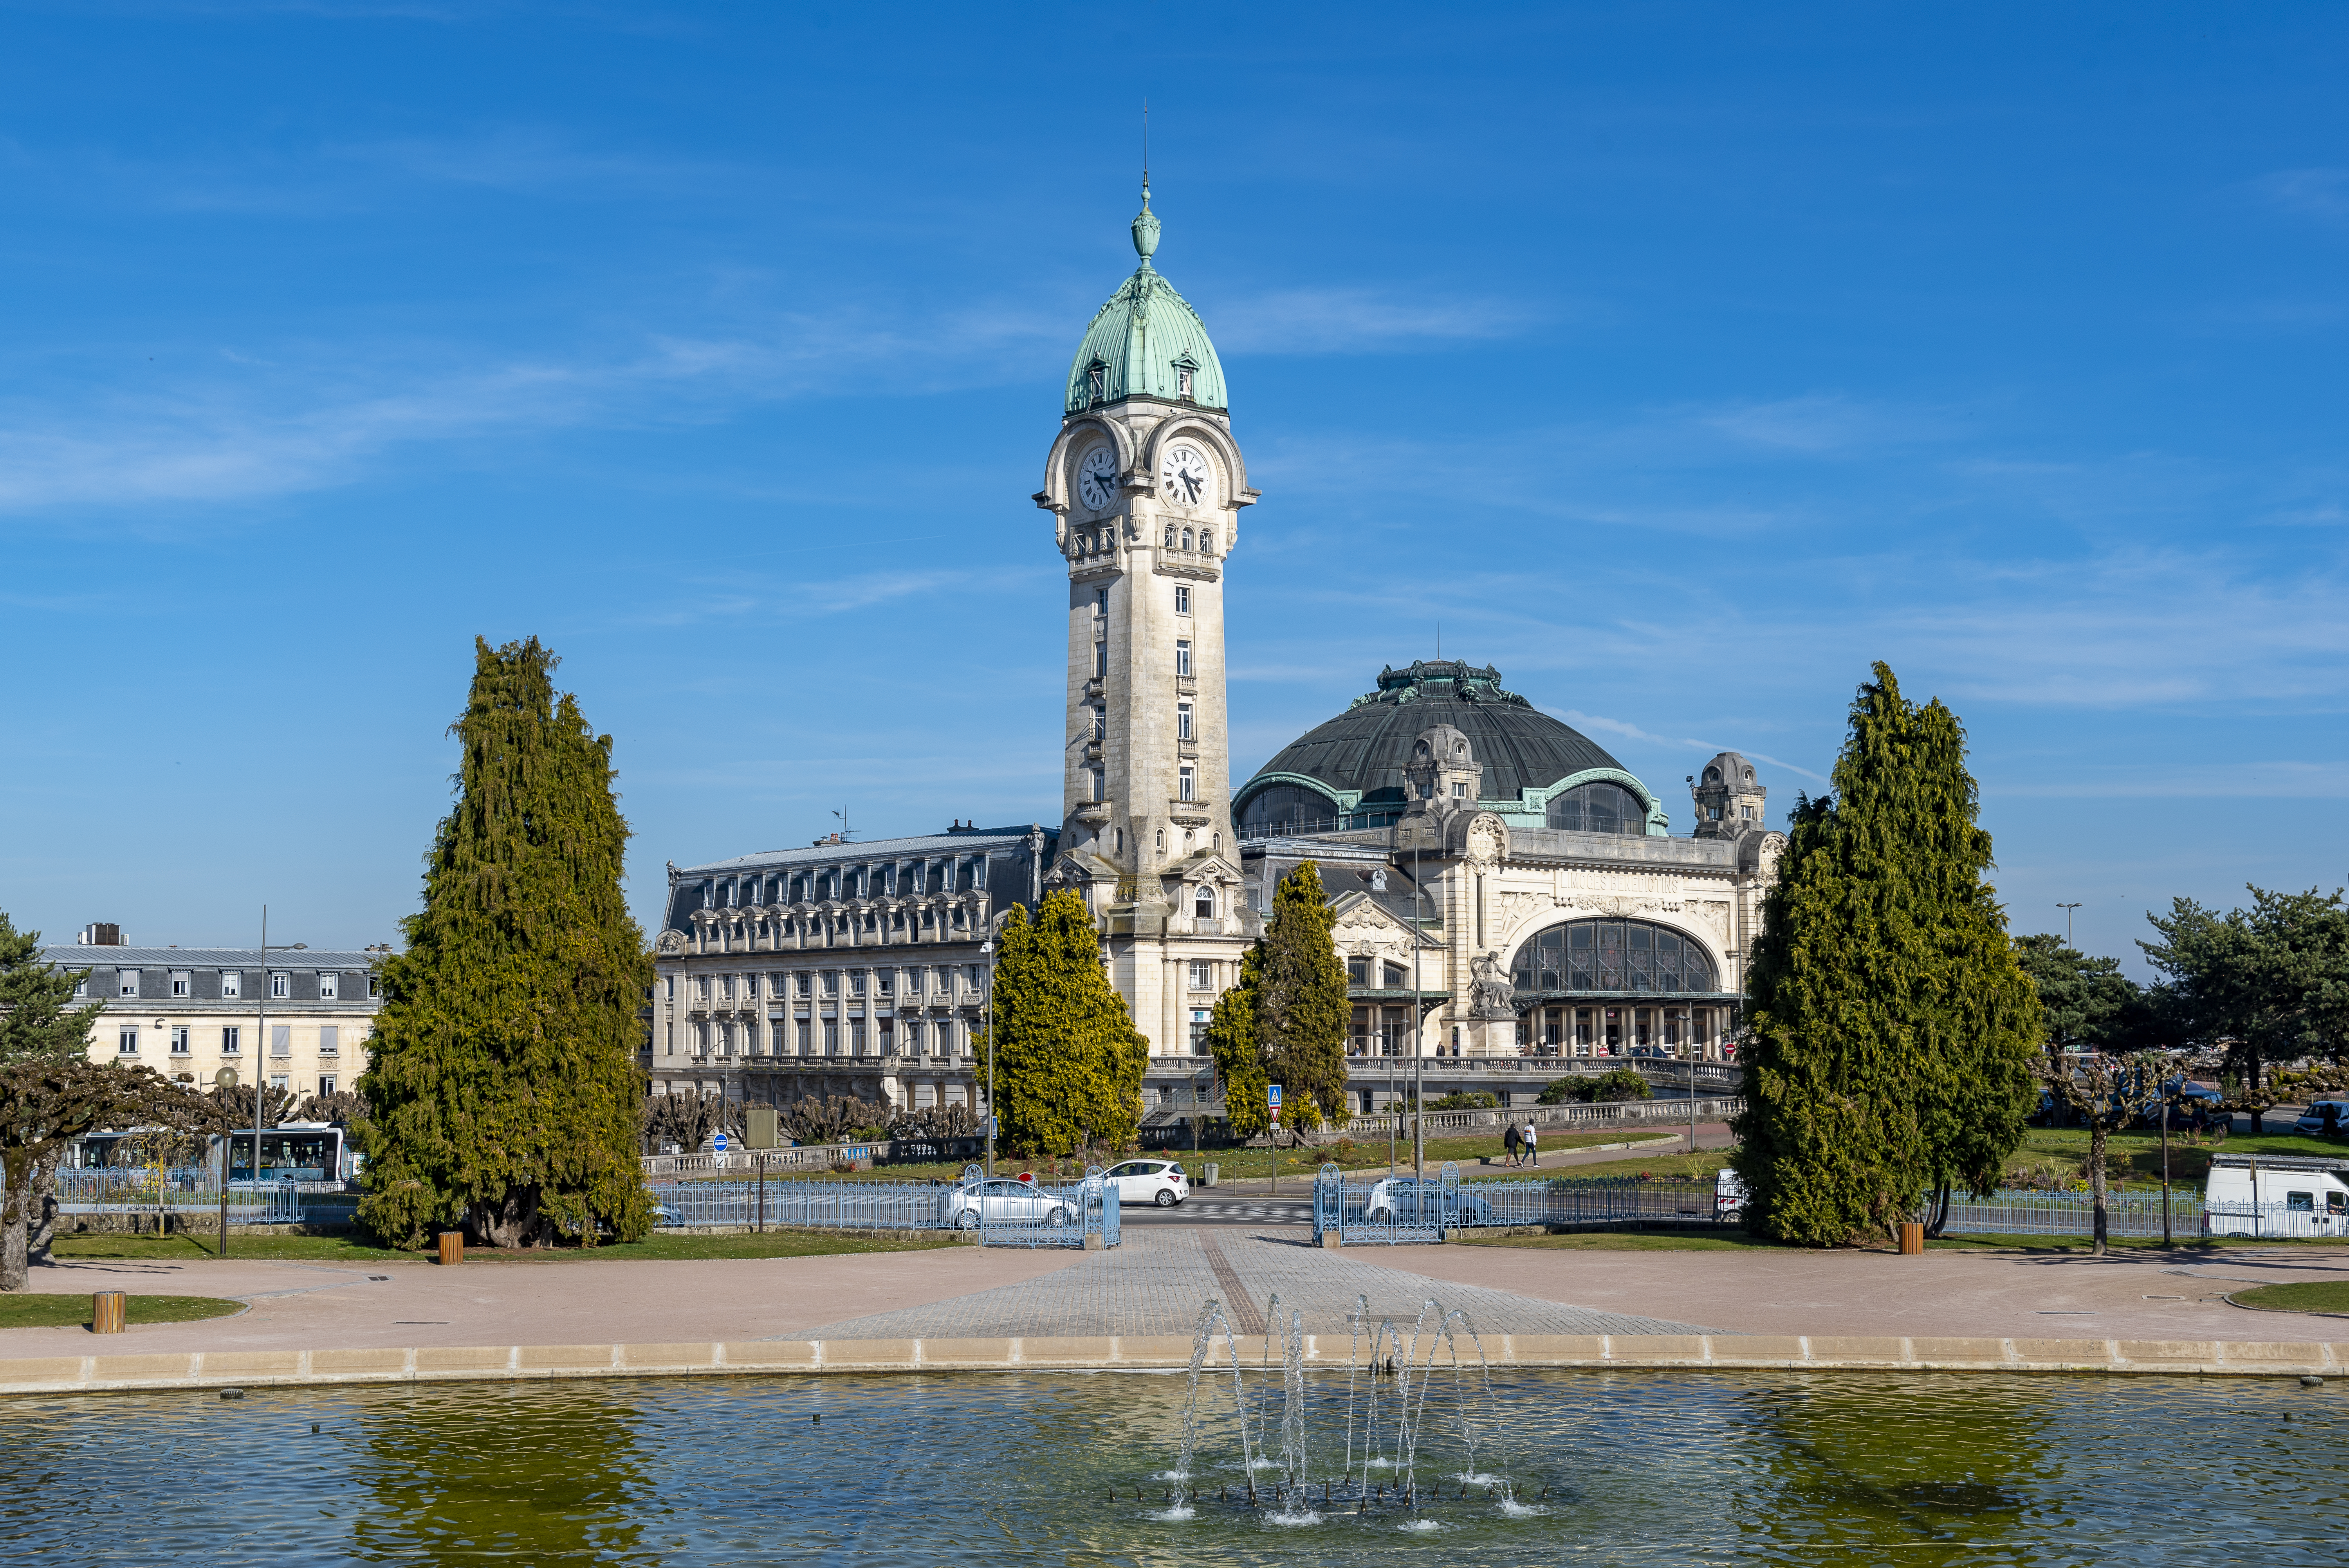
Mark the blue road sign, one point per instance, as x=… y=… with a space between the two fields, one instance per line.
x=721 y=1143
x=1272 y=1096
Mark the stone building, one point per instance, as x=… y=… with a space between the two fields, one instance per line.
x=1506 y=892
x=1504 y=887
x=187 y=1012
x=840 y=968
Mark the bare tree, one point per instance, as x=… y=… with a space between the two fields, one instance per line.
x=46 y=1104
x=2108 y=1094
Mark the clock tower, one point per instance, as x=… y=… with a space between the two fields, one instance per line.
x=1145 y=485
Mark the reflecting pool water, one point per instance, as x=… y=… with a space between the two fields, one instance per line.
x=1580 y=1467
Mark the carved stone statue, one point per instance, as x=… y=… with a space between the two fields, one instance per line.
x=1490 y=994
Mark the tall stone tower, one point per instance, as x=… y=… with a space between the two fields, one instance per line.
x=1145 y=486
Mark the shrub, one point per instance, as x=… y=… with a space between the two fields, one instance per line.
x=1567 y=1091
x=1621 y=1084
x=1461 y=1101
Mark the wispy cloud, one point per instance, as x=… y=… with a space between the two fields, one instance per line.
x=1582 y=721
x=2211 y=781
x=1356 y=320
x=2322 y=194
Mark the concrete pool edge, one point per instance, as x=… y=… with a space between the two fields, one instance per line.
x=1727 y=1353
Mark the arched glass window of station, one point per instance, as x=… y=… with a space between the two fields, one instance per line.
x=1615 y=988
x=1291 y=808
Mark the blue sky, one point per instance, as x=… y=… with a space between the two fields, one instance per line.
x=1680 y=360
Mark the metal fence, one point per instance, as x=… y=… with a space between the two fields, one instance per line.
x=2017 y=1211
x=1000 y=1211
x=1383 y=1209
x=190 y=1190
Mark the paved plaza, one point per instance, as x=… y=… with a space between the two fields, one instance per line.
x=1153 y=1285
x=1153 y=1282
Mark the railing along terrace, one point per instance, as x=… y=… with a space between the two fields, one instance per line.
x=995 y=1211
x=189 y=1189
x=1605 y=1112
x=1369 y=1208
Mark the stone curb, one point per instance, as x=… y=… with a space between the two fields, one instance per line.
x=1728 y=1353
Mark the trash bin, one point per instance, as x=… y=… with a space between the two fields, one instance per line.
x=1208 y=1179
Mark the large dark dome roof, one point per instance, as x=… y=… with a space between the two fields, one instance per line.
x=1366 y=747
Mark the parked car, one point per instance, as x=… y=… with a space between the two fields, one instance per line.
x=1407 y=1199
x=2312 y=1120
x=1002 y=1202
x=1729 y=1194
x=664 y=1215
x=1159 y=1181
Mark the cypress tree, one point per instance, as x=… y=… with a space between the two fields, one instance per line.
x=1892 y=1030
x=1301 y=1008
x=1068 y=1063
x=1233 y=1040
x=502 y=1075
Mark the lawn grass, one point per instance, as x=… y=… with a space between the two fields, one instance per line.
x=1255 y=1164
x=2189 y=1164
x=335 y=1250
x=21 y=1310
x=2317 y=1295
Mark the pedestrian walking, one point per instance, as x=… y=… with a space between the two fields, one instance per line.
x=1511 y=1145
x=1533 y=1146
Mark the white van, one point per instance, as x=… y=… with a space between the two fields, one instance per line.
x=2276 y=1195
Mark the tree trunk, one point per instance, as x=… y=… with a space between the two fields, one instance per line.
x=14 y=1203
x=512 y=1221
x=41 y=1220
x=2096 y=1177
x=1940 y=1212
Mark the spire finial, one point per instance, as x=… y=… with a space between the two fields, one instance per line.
x=1145 y=222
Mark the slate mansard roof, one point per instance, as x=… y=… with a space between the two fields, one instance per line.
x=926 y=847
x=69 y=955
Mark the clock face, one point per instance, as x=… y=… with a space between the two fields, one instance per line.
x=1184 y=476
x=1097 y=477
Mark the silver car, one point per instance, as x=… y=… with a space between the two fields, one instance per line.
x=1002 y=1202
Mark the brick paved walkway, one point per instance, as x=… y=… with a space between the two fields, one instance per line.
x=1155 y=1281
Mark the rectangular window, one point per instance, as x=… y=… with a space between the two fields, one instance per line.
x=126 y=982
x=330 y=986
x=330 y=1039
x=281 y=986
x=1200 y=1019
x=178 y=1040
x=232 y=984
x=1357 y=971
x=806 y=982
x=1199 y=980
x=182 y=983
x=230 y=1035
x=856 y=983
x=1099 y=786
x=805 y=1030
x=1183 y=380
x=281 y=1040
x=831 y=982
x=1101 y=660
x=1182 y=656
x=832 y=1039
x=81 y=988
x=325 y=1086
x=1101 y=723
x=281 y=1081
x=126 y=1043
x=1182 y=721
x=1189 y=785
x=1181 y=599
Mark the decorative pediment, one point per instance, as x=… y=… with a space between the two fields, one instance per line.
x=670 y=944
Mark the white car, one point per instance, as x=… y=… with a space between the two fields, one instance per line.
x=1159 y=1181
x=1005 y=1202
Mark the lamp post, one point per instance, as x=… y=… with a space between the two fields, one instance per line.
x=987 y=1009
x=260 y=1078
x=2067 y=909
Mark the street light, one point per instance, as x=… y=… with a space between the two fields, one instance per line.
x=2067 y=909
x=987 y=1011
x=259 y=1079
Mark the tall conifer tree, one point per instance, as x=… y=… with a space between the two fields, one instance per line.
x=1301 y=1008
x=502 y=1075
x=1233 y=1041
x=1892 y=1030
x=1068 y=1063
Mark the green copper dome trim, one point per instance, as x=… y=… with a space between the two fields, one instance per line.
x=1146 y=340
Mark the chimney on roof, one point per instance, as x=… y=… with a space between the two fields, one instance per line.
x=102 y=934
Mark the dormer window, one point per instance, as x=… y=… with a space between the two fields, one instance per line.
x=1097 y=380
x=1459 y=790
x=1183 y=382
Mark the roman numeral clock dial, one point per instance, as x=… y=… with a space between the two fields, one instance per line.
x=1184 y=476
x=1097 y=477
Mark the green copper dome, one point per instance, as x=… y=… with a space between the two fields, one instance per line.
x=1147 y=341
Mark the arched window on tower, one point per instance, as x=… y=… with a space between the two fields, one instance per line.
x=1204 y=904
x=1170 y=535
